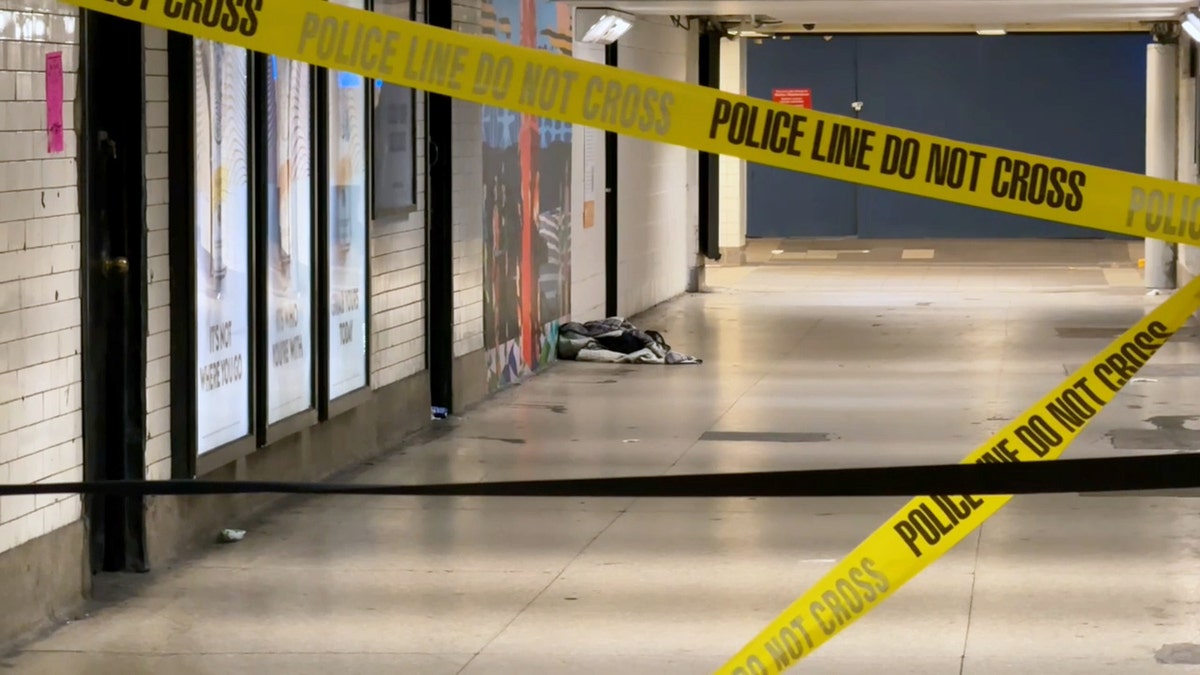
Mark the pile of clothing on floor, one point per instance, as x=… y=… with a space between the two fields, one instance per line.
x=615 y=340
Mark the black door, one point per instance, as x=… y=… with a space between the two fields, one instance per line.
x=114 y=284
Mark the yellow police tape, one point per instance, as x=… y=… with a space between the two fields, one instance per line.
x=486 y=71
x=489 y=72
x=927 y=527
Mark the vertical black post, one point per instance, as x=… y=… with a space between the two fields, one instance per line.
x=259 y=188
x=439 y=227
x=1193 y=64
x=710 y=181
x=181 y=197
x=611 y=257
x=320 y=103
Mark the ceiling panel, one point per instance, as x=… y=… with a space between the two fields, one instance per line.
x=1015 y=14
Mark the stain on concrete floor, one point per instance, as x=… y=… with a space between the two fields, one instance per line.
x=1180 y=653
x=1170 y=432
x=768 y=436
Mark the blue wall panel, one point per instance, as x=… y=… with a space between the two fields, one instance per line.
x=785 y=203
x=1076 y=96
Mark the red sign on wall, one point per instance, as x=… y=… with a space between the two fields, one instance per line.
x=801 y=98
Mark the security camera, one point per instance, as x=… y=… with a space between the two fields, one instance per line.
x=1165 y=32
x=809 y=26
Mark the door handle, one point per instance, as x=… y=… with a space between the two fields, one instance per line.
x=118 y=266
x=108 y=144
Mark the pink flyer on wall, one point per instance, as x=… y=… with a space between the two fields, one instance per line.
x=54 y=102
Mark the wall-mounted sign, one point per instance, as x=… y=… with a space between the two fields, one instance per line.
x=801 y=98
x=394 y=138
x=395 y=184
x=222 y=213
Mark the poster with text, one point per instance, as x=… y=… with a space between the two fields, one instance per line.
x=289 y=239
x=347 y=233
x=222 y=245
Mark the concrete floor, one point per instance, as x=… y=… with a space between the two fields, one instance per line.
x=906 y=363
x=1104 y=253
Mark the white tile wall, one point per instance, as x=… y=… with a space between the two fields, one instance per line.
x=732 y=170
x=158 y=268
x=656 y=182
x=398 y=294
x=467 y=152
x=40 y=373
x=398 y=282
x=587 y=245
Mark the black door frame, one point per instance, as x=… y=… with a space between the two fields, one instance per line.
x=612 y=257
x=439 y=229
x=709 y=180
x=113 y=284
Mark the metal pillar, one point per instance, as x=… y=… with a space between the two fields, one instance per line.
x=1186 y=171
x=710 y=175
x=1161 y=128
x=733 y=169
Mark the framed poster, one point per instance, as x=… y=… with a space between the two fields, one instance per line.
x=394 y=135
x=222 y=244
x=288 y=251
x=346 y=111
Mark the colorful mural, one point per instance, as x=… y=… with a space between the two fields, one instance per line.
x=527 y=208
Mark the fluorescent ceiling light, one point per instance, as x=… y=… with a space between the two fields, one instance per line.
x=608 y=28
x=1191 y=26
x=990 y=30
x=749 y=33
x=1192 y=31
